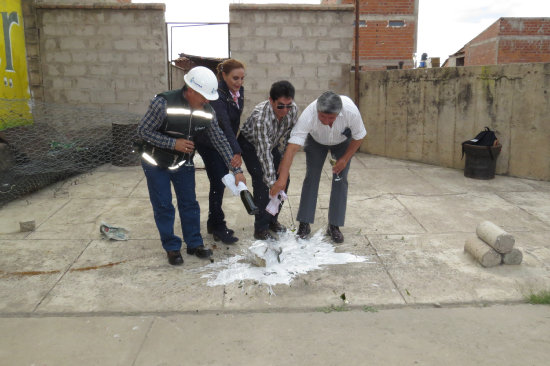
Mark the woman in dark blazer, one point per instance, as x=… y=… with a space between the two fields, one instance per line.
x=228 y=109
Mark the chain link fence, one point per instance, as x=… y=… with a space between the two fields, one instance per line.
x=58 y=142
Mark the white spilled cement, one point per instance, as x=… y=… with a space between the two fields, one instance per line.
x=298 y=256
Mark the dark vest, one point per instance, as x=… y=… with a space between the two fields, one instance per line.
x=181 y=121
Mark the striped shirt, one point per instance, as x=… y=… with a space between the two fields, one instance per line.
x=263 y=130
x=148 y=129
x=309 y=123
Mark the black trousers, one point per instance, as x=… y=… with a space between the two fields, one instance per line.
x=260 y=189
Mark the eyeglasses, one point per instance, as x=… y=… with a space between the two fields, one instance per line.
x=283 y=106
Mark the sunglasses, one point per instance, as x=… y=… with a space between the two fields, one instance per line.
x=283 y=106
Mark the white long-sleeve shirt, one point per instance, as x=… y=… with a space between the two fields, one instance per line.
x=309 y=123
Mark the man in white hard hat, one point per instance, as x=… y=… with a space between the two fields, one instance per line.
x=330 y=123
x=168 y=129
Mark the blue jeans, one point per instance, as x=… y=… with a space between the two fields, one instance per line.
x=215 y=169
x=160 y=194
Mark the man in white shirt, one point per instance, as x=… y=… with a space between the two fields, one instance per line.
x=334 y=123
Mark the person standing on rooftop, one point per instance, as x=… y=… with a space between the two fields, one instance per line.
x=228 y=108
x=173 y=121
x=262 y=136
x=330 y=123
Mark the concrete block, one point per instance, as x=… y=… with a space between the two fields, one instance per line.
x=278 y=18
x=307 y=18
x=115 y=57
x=318 y=58
x=151 y=44
x=72 y=43
x=514 y=257
x=303 y=44
x=266 y=31
x=277 y=44
x=304 y=71
x=293 y=32
x=61 y=56
x=101 y=70
x=267 y=58
x=125 y=45
x=85 y=57
x=74 y=70
x=483 y=253
x=252 y=44
x=135 y=31
x=328 y=45
x=292 y=58
x=316 y=31
x=497 y=238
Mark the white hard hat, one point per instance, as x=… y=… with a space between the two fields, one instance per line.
x=203 y=81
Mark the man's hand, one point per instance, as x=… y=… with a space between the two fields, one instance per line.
x=239 y=177
x=339 y=166
x=236 y=162
x=278 y=186
x=185 y=146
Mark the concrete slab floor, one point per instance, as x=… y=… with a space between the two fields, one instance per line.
x=409 y=219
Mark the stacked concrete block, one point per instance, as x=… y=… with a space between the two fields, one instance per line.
x=493 y=246
x=308 y=45
x=109 y=55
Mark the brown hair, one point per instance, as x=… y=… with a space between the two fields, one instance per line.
x=227 y=66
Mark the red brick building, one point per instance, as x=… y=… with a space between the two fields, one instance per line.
x=507 y=41
x=387 y=33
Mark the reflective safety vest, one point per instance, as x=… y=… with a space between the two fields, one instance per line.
x=181 y=121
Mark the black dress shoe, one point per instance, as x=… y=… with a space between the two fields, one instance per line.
x=200 y=252
x=174 y=257
x=225 y=236
x=335 y=233
x=276 y=227
x=263 y=235
x=303 y=230
x=210 y=229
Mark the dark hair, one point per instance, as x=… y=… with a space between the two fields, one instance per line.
x=329 y=102
x=281 y=88
x=227 y=66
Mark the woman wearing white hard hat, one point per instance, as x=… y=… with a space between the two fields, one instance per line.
x=173 y=120
x=228 y=109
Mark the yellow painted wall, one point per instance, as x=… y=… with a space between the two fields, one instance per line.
x=14 y=80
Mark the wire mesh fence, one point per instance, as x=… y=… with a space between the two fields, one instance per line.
x=60 y=141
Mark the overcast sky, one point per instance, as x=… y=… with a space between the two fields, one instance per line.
x=444 y=25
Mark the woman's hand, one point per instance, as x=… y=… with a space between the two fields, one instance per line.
x=236 y=161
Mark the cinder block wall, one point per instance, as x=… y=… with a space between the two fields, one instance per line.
x=425 y=114
x=107 y=56
x=309 y=45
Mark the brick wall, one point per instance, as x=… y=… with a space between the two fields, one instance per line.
x=511 y=40
x=107 y=56
x=309 y=45
x=483 y=53
x=382 y=45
